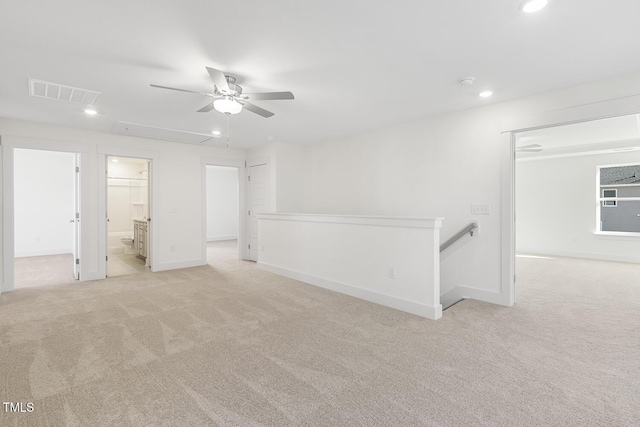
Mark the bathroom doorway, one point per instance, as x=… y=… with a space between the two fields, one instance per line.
x=47 y=217
x=222 y=213
x=128 y=218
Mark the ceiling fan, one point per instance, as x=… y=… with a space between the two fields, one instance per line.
x=229 y=98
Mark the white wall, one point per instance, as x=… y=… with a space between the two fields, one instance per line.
x=556 y=209
x=222 y=203
x=179 y=223
x=439 y=166
x=44 y=185
x=354 y=255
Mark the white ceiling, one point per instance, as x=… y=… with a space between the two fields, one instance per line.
x=354 y=66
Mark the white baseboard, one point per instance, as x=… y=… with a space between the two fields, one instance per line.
x=44 y=252
x=585 y=255
x=220 y=238
x=462 y=292
x=178 y=264
x=367 y=295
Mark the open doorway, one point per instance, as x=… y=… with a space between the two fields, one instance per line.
x=128 y=219
x=47 y=217
x=577 y=201
x=222 y=188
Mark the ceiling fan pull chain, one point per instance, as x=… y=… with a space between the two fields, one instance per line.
x=227 y=114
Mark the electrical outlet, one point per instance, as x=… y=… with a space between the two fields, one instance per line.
x=480 y=209
x=392 y=273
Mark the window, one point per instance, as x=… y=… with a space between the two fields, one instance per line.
x=619 y=199
x=608 y=194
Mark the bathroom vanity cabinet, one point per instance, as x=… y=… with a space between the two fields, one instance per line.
x=140 y=234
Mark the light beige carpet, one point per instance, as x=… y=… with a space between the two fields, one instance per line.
x=228 y=344
x=43 y=270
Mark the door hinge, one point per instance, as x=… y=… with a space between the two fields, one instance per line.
x=249 y=178
x=249 y=245
x=77 y=169
x=249 y=213
x=106 y=258
x=77 y=260
x=514 y=278
x=245 y=164
x=77 y=215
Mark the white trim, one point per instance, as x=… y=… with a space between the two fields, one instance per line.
x=105 y=151
x=589 y=255
x=43 y=252
x=507 y=276
x=617 y=233
x=243 y=232
x=9 y=144
x=257 y=161
x=221 y=238
x=412 y=307
x=464 y=292
x=8 y=231
x=597 y=110
x=356 y=219
x=619 y=185
x=179 y=264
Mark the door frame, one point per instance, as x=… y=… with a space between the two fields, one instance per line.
x=8 y=145
x=607 y=109
x=154 y=159
x=242 y=189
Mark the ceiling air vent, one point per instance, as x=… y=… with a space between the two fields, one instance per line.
x=58 y=92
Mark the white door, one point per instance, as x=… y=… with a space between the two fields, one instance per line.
x=258 y=203
x=76 y=245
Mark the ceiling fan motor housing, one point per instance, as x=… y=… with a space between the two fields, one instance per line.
x=234 y=89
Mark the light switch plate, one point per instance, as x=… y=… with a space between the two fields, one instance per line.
x=480 y=209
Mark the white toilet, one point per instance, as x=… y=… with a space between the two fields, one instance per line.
x=128 y=244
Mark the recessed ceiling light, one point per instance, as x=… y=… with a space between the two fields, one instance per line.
x=533 y=5
x=485 y=94
x=114 y=160
x=90 y=111
x=216 y=132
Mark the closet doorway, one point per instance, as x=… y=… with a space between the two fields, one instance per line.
x=47 y=217
x=222 y=213
x=128 y=217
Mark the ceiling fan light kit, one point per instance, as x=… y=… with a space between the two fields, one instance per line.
x=228 y=96
x=532 y=6
x=227 y=105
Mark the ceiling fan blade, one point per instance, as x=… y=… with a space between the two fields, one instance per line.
x=267 y=96
x=255 y=109
x=218 y=79
x=182 y=90
x=206 y=108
